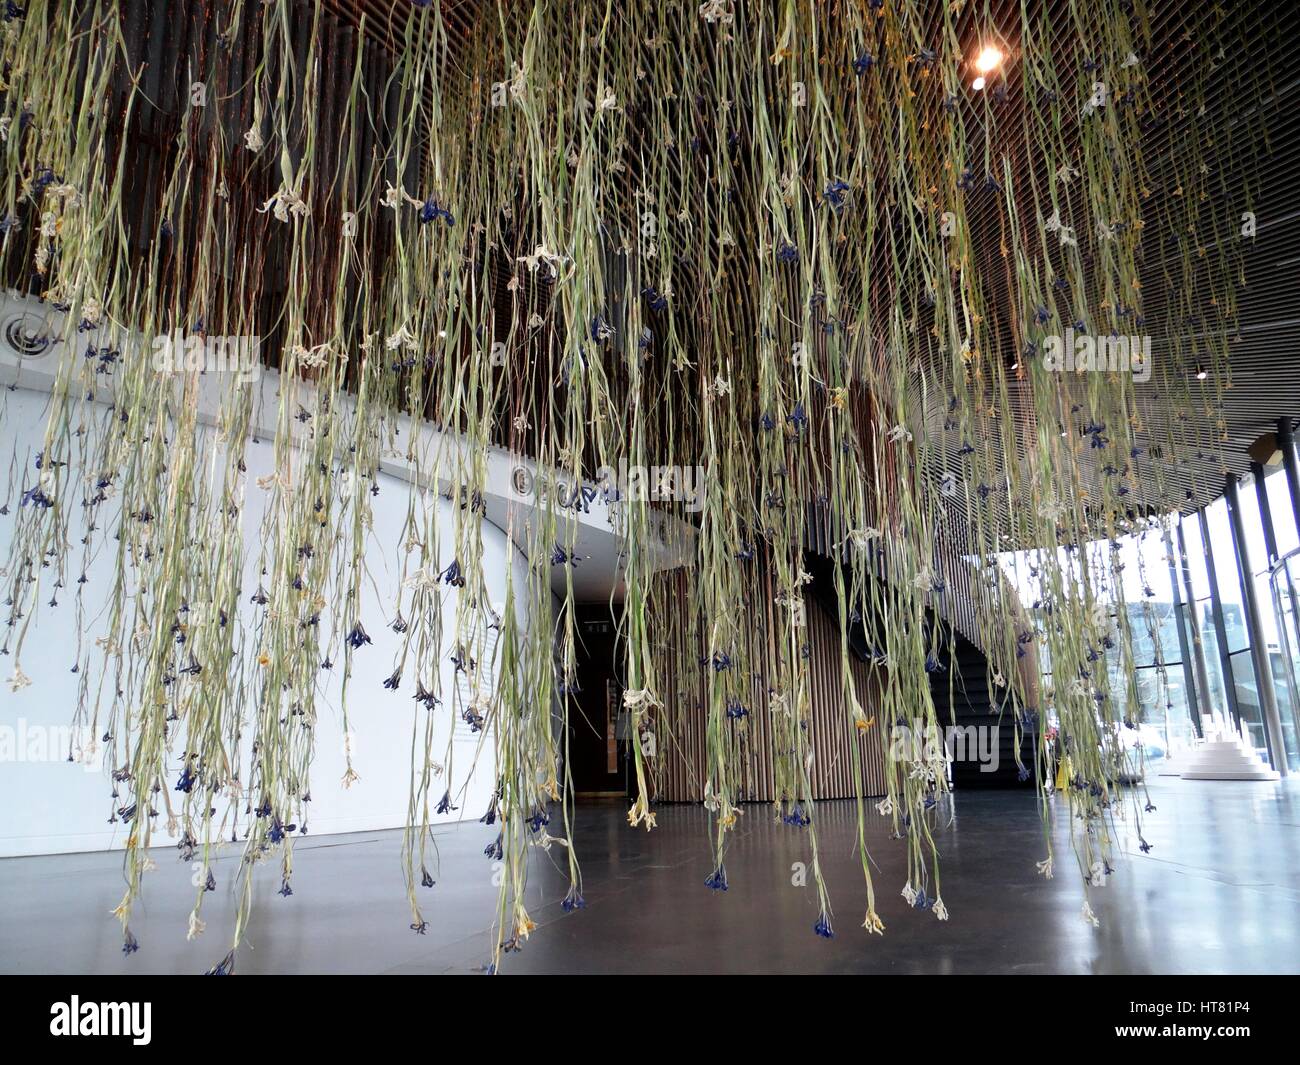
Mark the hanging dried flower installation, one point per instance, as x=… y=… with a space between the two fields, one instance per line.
x=839 y=258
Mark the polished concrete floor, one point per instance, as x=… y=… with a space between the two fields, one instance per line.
x=1218 y=893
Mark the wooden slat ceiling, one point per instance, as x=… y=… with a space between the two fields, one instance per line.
x=383 y=19
x=1265 y=350
x=1265 y=354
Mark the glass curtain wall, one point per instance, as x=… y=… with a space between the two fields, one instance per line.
x=1178 y=598
x=1276 y=562
x=1239 y=667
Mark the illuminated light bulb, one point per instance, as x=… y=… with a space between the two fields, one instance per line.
x=978 y=83
x=989 y=58
x=1201 y=374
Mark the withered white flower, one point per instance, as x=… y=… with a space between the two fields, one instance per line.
x=718 y=11
x=1051 y=510
x=640 y=700
x=518 y=82
x=423 y=580
x=271 y=480
x=543 y=255
x=402 y=338
x=65 y=194
x=286 y=205
x=544 y=840
x=861 y=538
x=396 y=195
x=314 y=358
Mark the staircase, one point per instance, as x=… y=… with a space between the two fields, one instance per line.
x=967 y=707
x=1225 y=756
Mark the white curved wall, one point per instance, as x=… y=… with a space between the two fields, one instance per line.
x=48 y=805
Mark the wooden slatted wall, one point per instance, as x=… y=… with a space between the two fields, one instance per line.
x=679 y=769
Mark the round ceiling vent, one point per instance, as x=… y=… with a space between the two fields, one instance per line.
x=27 y=335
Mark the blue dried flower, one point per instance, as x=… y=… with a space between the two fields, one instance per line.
x=431 y=210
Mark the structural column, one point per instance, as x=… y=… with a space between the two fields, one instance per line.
x=1286 y=444
x=1186 y=652
x=1255 y=630
x=1220 y=627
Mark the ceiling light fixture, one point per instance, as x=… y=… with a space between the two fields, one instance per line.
x=988 y=59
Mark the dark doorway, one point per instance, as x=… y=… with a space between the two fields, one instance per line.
x=596 y=735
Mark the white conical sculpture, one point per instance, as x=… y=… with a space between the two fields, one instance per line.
x=1225 y=755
